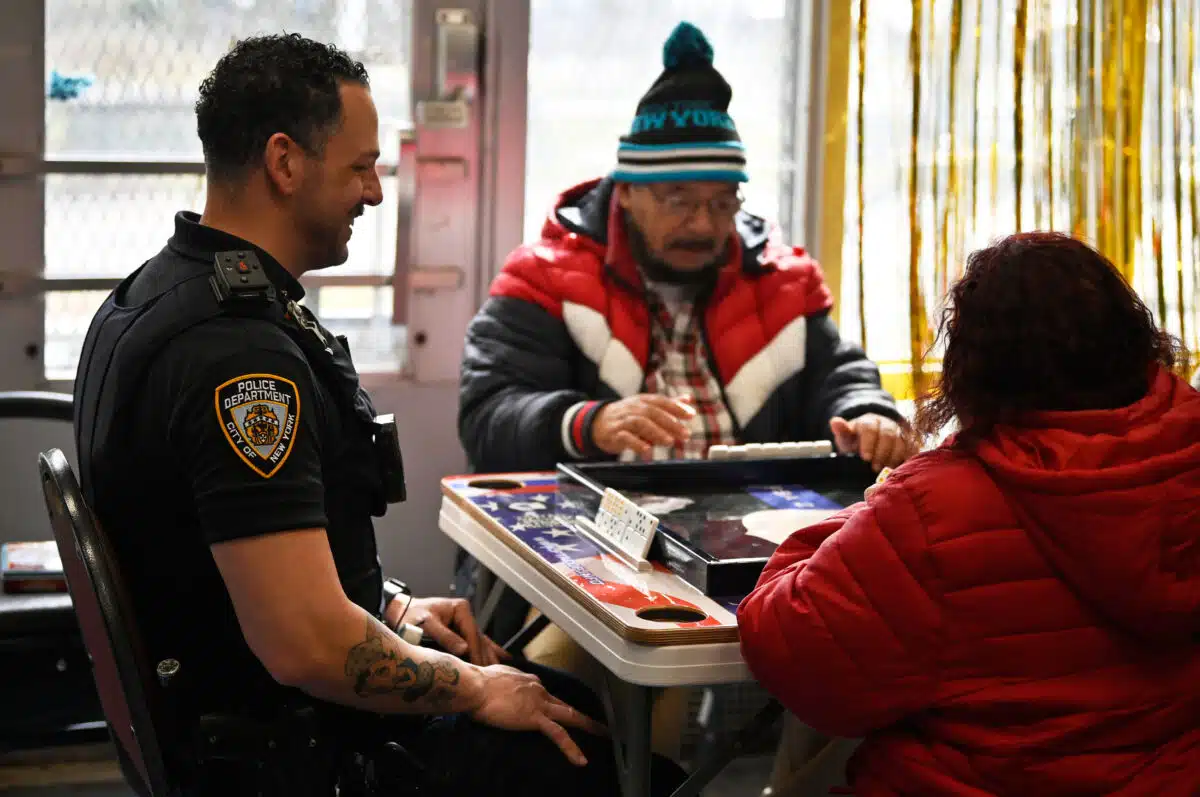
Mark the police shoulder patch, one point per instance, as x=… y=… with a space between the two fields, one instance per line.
x=259 y=415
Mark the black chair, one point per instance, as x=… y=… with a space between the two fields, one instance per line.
x=45 y=681
x=122 y=675
x=162 y=751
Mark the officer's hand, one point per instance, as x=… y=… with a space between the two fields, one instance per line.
x=878 y=440
x=641 y=422
x=517 y=701
x=449 y=623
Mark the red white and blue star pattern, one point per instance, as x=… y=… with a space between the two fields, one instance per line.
x=545 y=521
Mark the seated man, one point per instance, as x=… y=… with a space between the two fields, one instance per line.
x=225 y=443
x=655 y=318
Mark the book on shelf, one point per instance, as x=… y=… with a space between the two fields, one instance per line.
x=31 y=567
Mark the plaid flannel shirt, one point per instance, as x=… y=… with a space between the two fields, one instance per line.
x=678 y=367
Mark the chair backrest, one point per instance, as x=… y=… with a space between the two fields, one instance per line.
x=125 y=677
x=36 y=405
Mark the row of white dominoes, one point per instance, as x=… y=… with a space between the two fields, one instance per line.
x=809 y=450
x=626 y=524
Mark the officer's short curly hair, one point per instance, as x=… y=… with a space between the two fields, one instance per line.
x=267 y=85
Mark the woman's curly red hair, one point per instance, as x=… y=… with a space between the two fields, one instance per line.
x=1041 y=321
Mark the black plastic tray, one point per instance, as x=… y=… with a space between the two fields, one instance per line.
x=732 y=570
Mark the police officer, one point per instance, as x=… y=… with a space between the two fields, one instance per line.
x=227 y=447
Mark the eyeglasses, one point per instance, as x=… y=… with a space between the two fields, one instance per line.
x=684 y=208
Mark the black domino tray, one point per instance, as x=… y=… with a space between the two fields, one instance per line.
x=701 y=505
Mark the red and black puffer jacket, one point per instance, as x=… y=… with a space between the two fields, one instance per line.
x=566 y=323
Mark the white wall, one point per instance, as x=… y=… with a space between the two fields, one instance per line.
x=22 y=512
x=410 y=545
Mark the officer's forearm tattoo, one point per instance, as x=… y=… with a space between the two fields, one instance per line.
x=442 y=698
x=376 y=669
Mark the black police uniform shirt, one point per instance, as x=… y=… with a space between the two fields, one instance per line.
x=227 y=432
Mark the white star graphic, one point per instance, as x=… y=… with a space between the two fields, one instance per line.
x=559 y=548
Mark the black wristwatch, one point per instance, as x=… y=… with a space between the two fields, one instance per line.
x=393 y=588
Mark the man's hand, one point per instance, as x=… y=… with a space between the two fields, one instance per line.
x=449 y=622
x=641 y=422
x=517 y=701
x=878 y=440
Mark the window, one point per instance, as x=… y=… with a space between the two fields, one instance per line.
x=123 y=155
x=590 y=61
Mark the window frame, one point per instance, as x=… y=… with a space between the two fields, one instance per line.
x=41 y=284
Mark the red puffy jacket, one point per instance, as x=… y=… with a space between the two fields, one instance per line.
x=1020 y=620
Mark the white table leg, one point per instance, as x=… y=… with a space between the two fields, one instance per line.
x=628 y=709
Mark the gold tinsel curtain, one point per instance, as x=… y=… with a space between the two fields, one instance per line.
x=967 y=120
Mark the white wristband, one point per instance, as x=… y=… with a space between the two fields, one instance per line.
x=410 y=634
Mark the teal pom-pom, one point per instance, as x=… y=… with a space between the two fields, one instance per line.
x=687 y=47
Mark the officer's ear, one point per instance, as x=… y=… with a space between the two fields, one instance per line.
x=284 y=161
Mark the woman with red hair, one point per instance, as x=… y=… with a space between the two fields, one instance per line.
x=1016 y=612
